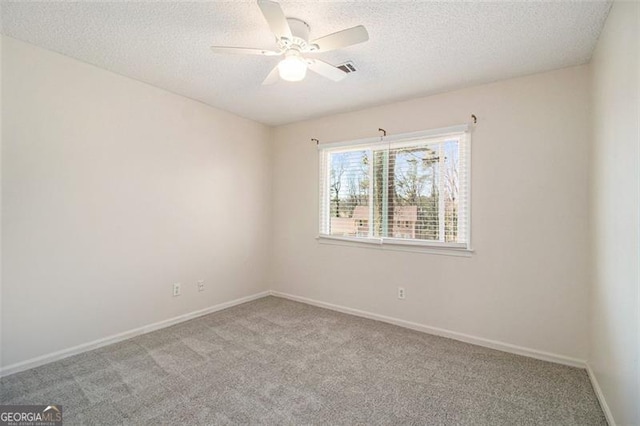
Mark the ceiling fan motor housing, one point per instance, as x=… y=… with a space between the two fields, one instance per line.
x=300 y=32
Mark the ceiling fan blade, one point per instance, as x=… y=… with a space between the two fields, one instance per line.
x=326 y=70
x=243 y=51
x=342 y=38
x=275 y=18
x=272 y=78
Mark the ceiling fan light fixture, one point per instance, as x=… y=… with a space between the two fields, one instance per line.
x=292 y=68
x=292 y=39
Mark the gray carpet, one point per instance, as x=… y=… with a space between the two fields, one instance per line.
x=273 y=361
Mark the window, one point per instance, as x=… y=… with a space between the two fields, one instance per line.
x=410 y=189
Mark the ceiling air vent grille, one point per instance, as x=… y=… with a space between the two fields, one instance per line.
x=347 y=67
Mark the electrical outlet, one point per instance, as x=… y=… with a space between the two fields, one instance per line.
x=401 y=294
x=200 y=285
x=176 y=289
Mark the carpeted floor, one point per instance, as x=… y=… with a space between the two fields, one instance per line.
x=273 y=361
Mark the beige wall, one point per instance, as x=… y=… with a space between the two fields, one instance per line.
x=526 y=283
x=614 y=348
x=112 y=191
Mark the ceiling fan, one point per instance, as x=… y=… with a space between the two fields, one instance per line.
x=292 y=38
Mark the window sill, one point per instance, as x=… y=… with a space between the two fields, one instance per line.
x=411 y=246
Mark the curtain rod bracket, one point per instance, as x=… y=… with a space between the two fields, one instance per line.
x=315 y=140
x=475 y=119
x=383 y=131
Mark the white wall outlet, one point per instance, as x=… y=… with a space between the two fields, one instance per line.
x=200 y=285
x=176 y=289
x=401 y=294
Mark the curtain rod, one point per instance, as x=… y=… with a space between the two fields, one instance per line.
x=384 y=132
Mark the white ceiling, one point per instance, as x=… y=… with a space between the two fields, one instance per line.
x=415 y=48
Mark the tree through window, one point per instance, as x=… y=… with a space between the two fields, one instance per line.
x=413 y=189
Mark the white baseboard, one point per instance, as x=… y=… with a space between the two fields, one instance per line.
x=603 y=402
x=55 y=356
x=493 y=344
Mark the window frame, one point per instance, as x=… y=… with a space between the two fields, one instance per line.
x=389 y=243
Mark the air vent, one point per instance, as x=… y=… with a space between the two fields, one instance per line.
x=347 y=67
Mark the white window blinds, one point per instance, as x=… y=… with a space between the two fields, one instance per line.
x=413 y=189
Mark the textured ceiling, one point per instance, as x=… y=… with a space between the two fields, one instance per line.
x=415 y=48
